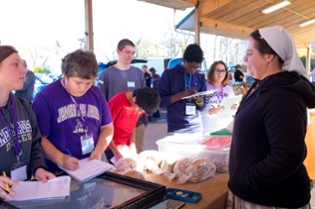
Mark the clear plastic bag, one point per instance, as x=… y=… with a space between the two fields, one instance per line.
x=183 y=169
x=202 y=169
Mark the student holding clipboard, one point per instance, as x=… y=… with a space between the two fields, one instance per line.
x=217 y=79
x=21 y=154
x=183 y=115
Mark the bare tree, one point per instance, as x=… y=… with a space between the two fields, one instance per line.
x=109 y=53
x=174 y=41
x=32 y=51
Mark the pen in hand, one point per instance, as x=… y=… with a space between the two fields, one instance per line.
x=6 y=184
x=71 y=163
x=68 y=151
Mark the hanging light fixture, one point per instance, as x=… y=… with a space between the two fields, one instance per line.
x=307 y=22
x=276 y=7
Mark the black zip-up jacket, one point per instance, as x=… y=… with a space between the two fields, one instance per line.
x=268 y=147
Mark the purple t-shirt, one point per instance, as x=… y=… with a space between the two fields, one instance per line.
x=214 y=100
x=58 y=117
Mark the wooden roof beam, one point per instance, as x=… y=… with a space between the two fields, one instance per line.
x=301 y=43
x=222 y=26
x=207 y=6
x=194 y=2
x=244 y=31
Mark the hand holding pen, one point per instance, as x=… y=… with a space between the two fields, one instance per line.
x=69 y=162
x=190 y=91
x=215 y=110
x=5 y=182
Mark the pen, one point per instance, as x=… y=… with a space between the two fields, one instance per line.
x=6 y=184
x=68 y=151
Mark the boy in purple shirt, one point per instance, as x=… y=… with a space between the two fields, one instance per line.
x=73 y=115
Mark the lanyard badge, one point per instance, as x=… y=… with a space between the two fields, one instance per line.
x=190 y=108
x=87 y=141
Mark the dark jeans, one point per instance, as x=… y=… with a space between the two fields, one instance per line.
x=109 y=155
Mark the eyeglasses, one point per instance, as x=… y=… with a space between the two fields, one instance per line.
x=220 y=71
x=192 y=66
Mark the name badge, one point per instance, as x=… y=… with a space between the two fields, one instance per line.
x=131 y=84
x=87 y=144
x=190 y=109
x=19 y=173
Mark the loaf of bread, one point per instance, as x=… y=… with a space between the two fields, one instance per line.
x=183 y=169
x=202 y=169
x=126 y=164
x=168 y=162
x=152 y=155
x=135 y=174
x=119 y=171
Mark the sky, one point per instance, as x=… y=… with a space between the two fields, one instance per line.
x=30 y=24
x=45 y=21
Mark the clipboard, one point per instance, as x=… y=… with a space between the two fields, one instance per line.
x=201 y=93
x=227 y=102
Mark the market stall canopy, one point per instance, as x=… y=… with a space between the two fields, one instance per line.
x=238 y=18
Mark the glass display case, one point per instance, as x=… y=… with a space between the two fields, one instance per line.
x=109 y=190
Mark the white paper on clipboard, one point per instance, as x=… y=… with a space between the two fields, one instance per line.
x=201 y=93
x=227 y=103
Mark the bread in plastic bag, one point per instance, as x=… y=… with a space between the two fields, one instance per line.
x=153 y=155
x=150 y=165
x=202 y=169
x=151 y=160
x=183 y=169
x=126 y=164
x=221 y=162
x=135 y=174
x=169 y=161
x=168 y=164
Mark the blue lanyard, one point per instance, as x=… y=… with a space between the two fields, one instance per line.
x=17 y=143
x=187 y=86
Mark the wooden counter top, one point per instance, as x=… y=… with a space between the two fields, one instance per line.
x=214 y=190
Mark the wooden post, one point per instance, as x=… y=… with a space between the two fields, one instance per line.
x=89 y=25
x=197 y=24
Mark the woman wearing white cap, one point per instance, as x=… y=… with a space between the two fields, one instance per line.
x=268 y=149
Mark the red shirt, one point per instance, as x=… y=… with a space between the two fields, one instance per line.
x=124 y=118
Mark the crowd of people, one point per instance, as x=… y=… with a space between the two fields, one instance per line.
x=72 y=119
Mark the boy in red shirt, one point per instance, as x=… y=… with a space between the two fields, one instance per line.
x=126 y=108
